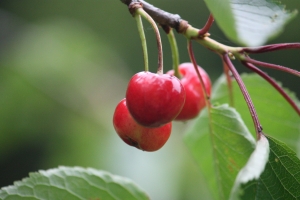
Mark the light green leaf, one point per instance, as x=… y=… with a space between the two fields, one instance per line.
x=222 y=150
x=250 y=23
x=73 y=183
x=280 y=179
x=275 y=114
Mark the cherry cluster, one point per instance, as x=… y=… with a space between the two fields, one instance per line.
x=144 y=118
x=153 y=101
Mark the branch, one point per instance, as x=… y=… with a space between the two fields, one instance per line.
x=160 y=16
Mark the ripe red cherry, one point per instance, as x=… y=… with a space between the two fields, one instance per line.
x=194 y=101
x=144 y=138
x=154 y=99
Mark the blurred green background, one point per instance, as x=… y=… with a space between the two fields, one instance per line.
x=64 y=66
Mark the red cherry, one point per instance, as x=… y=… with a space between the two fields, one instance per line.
x=194 y=101
x=146 y=139
x=154 y=99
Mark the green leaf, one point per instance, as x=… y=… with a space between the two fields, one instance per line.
x=221 y=150
x=250 y=23
x=73 y=183
x=281 y=177
x=275 y=114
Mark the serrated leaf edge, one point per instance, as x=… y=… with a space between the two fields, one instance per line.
x=104 y=175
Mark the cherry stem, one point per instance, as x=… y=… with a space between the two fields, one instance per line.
x=143 y=40
x=207 y=26
x=175 y=53
x=257 y=125
x=229 y=84
x=271 y=47
x=272 y=66
x=158 y=39
x=193 y=60
x=274 y=84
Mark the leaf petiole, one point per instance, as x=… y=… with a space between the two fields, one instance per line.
x=193 y=60
x=205 y=29
x=272 y=66
x=274 y=84
x=229 y=83
x=257 y=125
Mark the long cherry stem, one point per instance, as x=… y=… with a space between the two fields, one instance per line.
x=274 y=84
x=257 y=125
x=158 y=39
x=193 y=60
x=175 y=53
x=272 y=66
x=143 y=40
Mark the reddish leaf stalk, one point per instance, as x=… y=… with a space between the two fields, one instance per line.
x=229 y=84
x=246 y=95
x=274 y=84
x=193 y=60
x=271 y=47
x=272 y=66
x=202 y=32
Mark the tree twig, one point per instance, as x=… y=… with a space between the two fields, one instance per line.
x=160 y=16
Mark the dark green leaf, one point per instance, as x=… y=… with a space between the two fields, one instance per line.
x=247 y=22
x=73 y=183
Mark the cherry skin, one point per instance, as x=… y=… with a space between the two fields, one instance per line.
x=133 y=134
x=195 y=100
x=154 y=99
